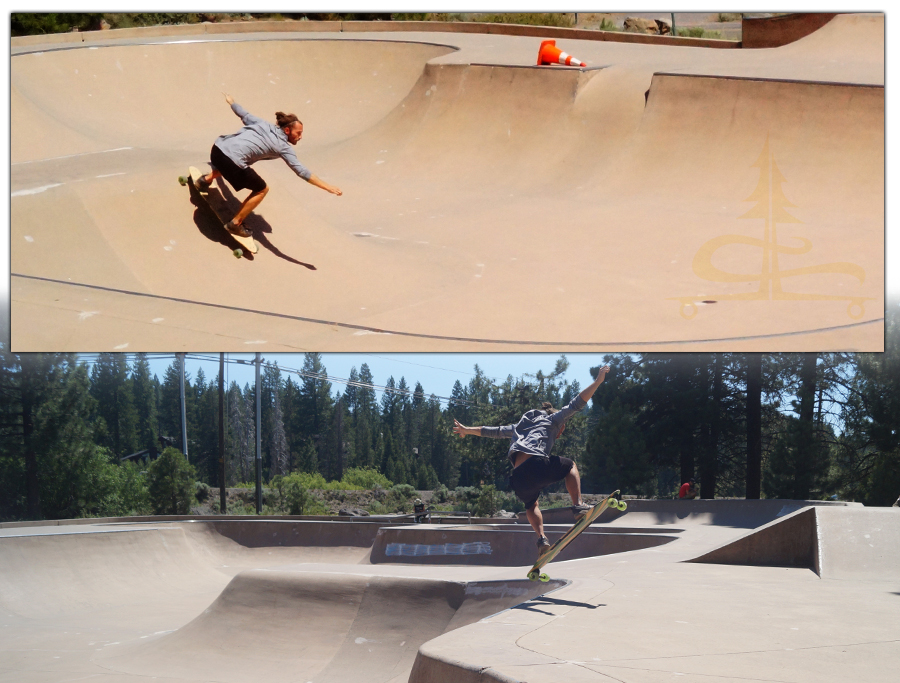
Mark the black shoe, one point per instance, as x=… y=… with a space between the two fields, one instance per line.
x=543 y=545
x=201 y=185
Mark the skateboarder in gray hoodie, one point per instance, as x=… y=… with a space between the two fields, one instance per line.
x=232 y=155
x=531 y=440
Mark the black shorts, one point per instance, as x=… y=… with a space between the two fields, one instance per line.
x=536 y=473
x=239 y=178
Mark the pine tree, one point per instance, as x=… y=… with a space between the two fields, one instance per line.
x=112 y=391
x=143 y=391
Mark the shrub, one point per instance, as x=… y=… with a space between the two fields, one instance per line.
x=171 y=483
x=441 y=494
x=294 y=495
x=365 y=478
x=201 y=491
x=485 y=505
x=133 y=492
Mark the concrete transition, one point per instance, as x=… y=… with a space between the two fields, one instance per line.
x=669 y=196
x=699 y=590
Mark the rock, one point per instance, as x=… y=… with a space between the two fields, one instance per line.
x=638 y=25
x=664 y=26
x=104 y=25
x=353 y=512
x=505 y=515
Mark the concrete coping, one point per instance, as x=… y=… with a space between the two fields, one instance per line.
x=293 y=26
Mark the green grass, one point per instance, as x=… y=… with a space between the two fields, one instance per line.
x=698 y=32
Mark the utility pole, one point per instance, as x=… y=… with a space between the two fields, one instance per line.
x=184 y=446
x=223 y=504
x=340 y=438
x=258 y=437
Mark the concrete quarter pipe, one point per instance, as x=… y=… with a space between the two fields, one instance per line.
x=664 y=197
x=763 y=590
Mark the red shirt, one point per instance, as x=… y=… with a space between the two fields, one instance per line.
x=683 y=491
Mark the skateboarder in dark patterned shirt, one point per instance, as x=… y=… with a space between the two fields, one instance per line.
x=531 y=440
x=232 y=155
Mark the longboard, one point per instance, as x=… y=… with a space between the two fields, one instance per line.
x=247 y=242
x=609 y=502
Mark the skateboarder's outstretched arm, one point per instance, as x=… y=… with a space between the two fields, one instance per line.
x=318 y=182
x=504 y=432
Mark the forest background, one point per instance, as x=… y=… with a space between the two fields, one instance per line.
x=793 y=425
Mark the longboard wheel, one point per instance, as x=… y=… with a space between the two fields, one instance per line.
x=544 y=578
x=613 y=502
x=533 y=576
x=182 y=180
x=238 y=253
x=622 y=505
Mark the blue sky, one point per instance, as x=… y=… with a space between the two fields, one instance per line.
x=436 y=371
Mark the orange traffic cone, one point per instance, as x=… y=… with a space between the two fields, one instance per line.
x=550 y=54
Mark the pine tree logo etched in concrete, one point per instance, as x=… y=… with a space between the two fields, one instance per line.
x=771 y=207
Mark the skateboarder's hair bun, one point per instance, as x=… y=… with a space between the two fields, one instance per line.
x=548 y=408
x=284 y=120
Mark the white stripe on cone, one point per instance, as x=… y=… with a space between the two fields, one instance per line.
x=569 y=60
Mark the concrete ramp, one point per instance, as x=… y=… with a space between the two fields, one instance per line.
x=461 y=181
x=835 y=542
x=277 y=625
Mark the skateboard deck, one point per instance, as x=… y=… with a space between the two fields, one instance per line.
x=246 y=242
x=579 y=526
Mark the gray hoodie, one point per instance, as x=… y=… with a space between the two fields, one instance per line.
x=259 y=140
x=536 y=431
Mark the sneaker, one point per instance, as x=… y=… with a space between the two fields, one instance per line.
x=543 y=545
x=201 y=185
x=581 y=510
x=237 y=229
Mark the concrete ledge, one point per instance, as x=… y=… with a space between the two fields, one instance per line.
x=209 y=29
x=740 y=513
x=495 y=547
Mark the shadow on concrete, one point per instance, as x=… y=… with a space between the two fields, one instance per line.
x=210 y=225
x=256 y=224
x=545 y=600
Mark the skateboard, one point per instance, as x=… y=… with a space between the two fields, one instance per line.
x=609 y=502
x=246 y=242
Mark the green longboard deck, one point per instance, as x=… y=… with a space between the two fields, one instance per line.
x=572 y=534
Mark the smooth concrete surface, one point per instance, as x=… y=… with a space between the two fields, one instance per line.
x=665 y=197
x=299 y=600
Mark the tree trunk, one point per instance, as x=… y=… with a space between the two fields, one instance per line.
x=32 y=482
x=806 y=445
x=754 y=425
x=709 y=475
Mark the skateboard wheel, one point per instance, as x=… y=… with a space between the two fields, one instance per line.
x=533 y=576
x=237 y=253
x=622 y=505
x=182 y=180
x=544 y=578
x=613 y=502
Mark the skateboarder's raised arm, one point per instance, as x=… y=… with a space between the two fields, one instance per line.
x=504 y=432
x=580 y=401
x=592 y=387
x=245 y=116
